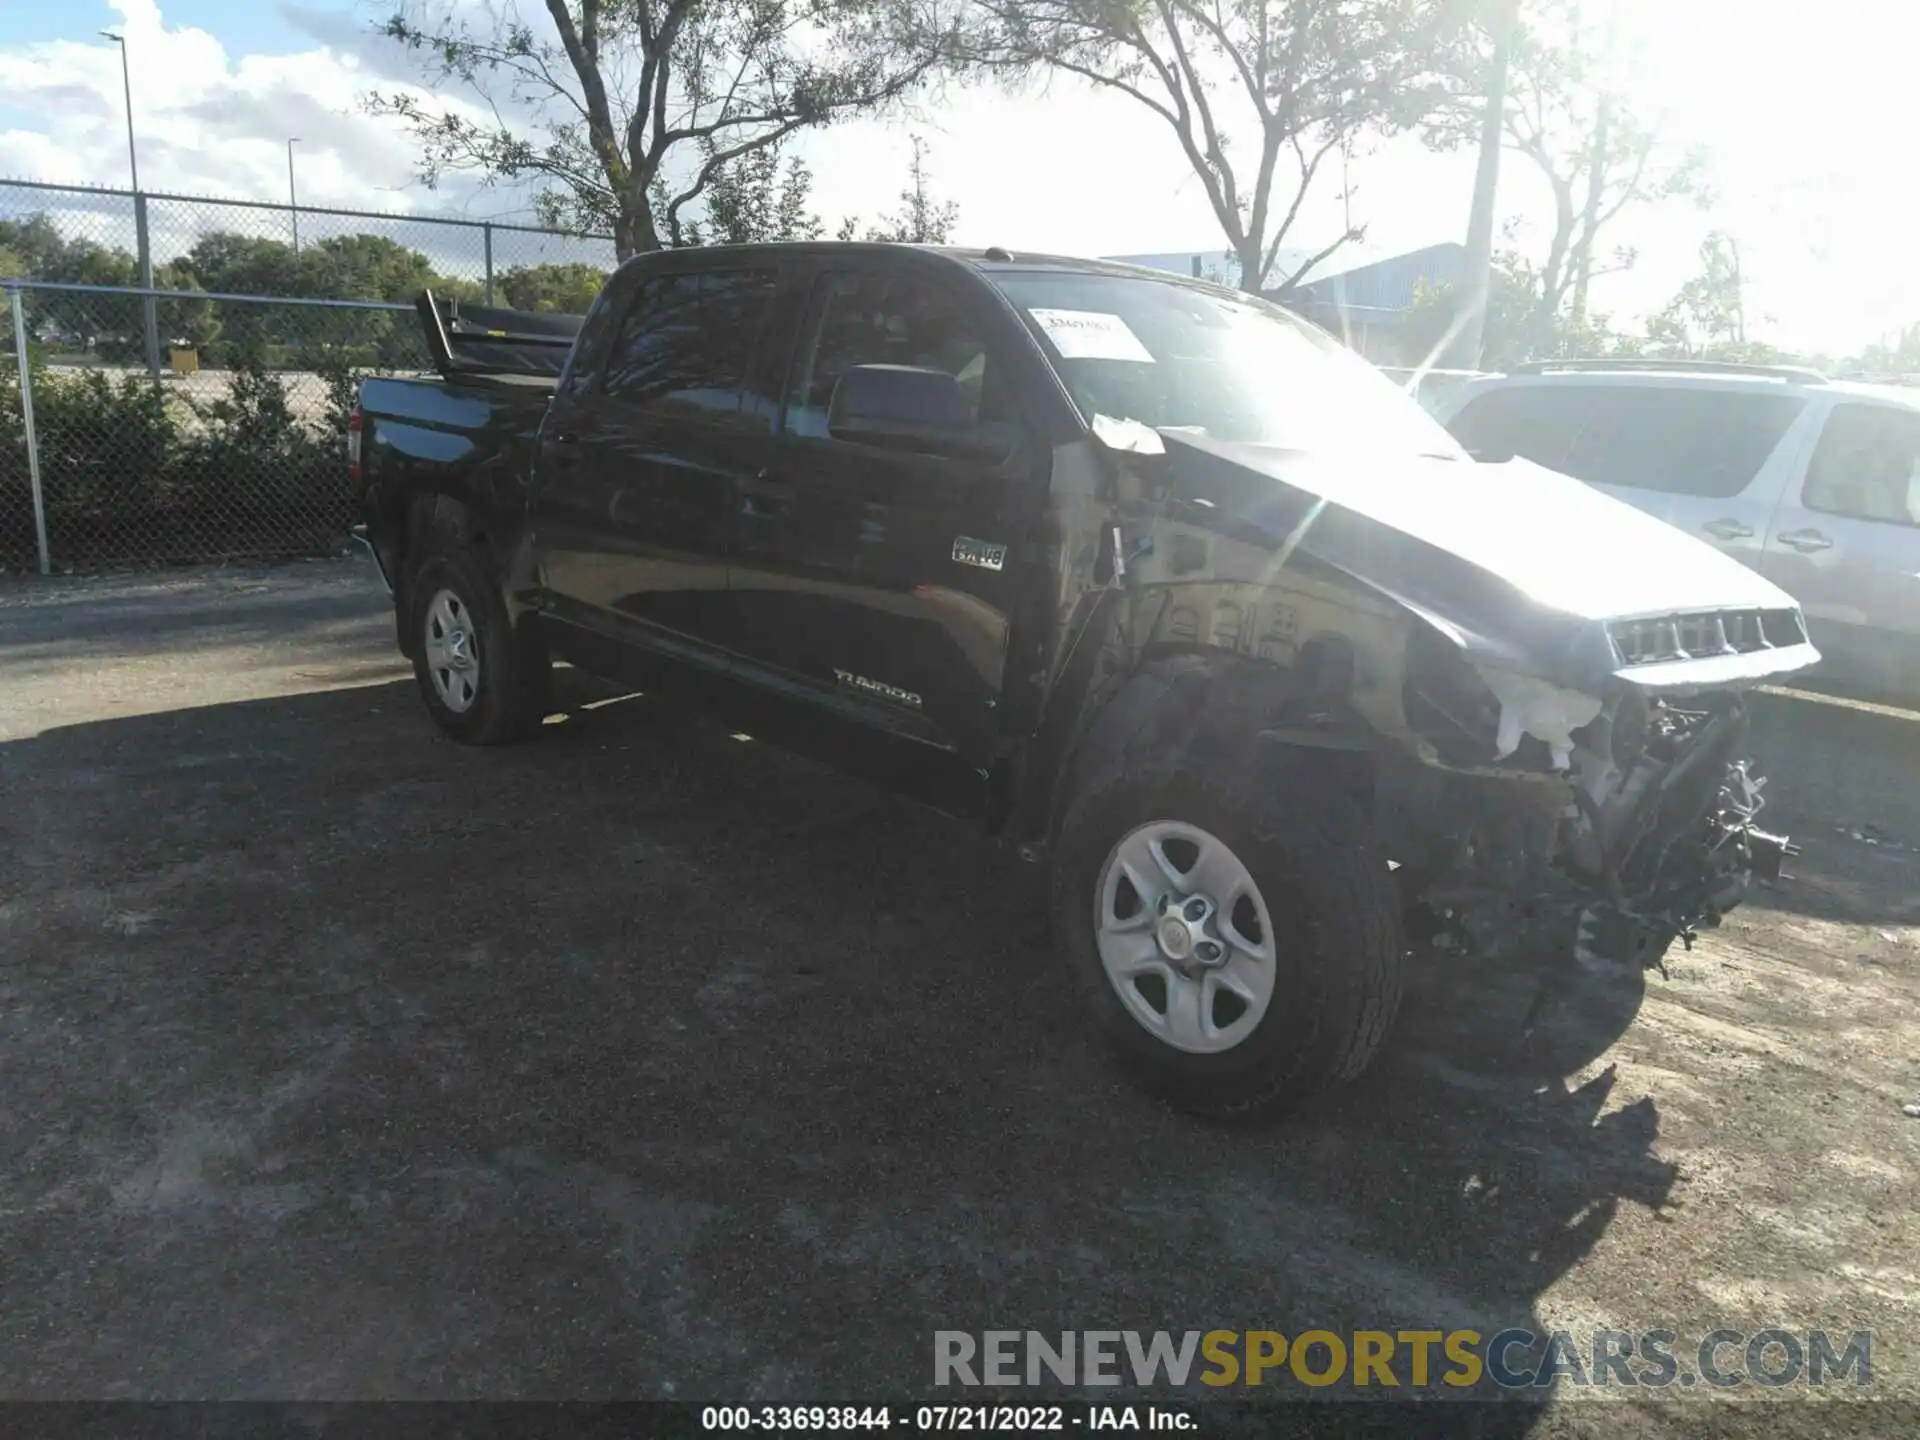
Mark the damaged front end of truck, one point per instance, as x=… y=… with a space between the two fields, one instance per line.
x=1600 y=823
x=1552 y=690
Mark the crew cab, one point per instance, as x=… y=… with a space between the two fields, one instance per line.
x=1152 y=580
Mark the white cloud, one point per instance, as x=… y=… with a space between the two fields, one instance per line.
x=207 y=122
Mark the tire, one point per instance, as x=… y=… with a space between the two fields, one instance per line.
x=505 y=695
x=1178 y=747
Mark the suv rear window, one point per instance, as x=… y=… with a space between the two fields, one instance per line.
x=1536 y=421
x=1681 y=440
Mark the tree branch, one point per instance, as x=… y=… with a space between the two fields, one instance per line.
x=1292 y=282
x=719 y=159
x=1308 y=168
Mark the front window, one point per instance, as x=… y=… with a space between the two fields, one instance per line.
x=883 y=318
x=1170 y=356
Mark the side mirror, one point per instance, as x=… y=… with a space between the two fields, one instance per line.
x=911 y=408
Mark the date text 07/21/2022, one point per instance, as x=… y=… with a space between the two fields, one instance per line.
x=989 y=1419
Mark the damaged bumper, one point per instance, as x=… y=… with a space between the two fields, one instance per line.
x=1650 y=815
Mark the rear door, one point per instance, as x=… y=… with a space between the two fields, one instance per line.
x=883 y=577
x=1845 y=543
x=642 y=463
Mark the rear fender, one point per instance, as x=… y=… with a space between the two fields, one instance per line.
x=433 y=522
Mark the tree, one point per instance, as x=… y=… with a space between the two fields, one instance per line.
x=1567 y=114
x=34 y=248
x=1305 y=78
x=921 y=220
x=1901 y=358
x=42 y=253
x=244 y=265
x=754 y=198
x=364 y=267
x=1512 y=334
x=552 y=289
x=1707 y=317
x=626 y=111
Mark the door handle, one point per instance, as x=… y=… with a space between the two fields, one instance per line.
x=1806 y=541
x=1728 y=530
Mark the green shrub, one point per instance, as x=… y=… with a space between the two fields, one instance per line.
x=255 y=467
x=105 y=450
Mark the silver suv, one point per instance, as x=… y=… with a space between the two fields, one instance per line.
x=1814 y=483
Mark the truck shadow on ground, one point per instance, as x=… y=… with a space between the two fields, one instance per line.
x=651 y=1062
x=1843 y=778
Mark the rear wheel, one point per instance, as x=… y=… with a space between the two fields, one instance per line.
x=484 y=681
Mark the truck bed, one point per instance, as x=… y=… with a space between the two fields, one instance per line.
x=474 y=341
x=468 y=435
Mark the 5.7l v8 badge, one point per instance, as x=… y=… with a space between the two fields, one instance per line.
x=980 y=553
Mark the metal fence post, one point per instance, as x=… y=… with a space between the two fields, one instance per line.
x=486 y=232
x=149 y=307
x=26 y=416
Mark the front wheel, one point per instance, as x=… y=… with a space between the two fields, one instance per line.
x=1239 y=944
x=484 y=681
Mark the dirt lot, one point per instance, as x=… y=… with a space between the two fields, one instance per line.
x=342 y=1062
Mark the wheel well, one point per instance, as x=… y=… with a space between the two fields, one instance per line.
x=1265 y=711
x=434 y=521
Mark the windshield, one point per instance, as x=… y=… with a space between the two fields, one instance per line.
x=1167 y=355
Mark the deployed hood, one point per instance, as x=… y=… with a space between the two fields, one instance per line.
x=1512 y=560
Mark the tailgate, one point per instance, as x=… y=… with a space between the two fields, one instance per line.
x=479 y=340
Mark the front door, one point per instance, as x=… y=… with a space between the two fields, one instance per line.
x=885 y=577
x=640 y=464
x=1846 y=545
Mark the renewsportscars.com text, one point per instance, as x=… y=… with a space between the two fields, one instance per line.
x=1403 y=1359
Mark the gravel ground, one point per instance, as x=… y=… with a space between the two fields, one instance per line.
x=342 y=1062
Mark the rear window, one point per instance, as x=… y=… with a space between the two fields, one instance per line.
x=1534 y=421
x=684 y=347
x=1680 y=440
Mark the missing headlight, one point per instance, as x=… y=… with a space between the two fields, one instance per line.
x=1531 y=706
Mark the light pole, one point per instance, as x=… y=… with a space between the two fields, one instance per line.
x=126 y=84
x=293 y=201
x=150 y=312
x=1477 y=264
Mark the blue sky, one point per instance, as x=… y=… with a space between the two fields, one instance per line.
x=1802 y=103
x=242 y=25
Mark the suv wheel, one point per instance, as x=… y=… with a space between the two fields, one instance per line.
x=484 y=682
x=1235 y=933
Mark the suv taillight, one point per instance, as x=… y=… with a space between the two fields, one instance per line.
x=354 y=473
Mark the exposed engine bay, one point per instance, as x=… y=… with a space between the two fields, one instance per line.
x=1634 y=822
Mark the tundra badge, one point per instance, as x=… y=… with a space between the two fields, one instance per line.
x=969 y=551
x=875 y=687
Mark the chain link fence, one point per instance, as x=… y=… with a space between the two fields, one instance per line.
x=235 y=450
x=134 y=230
x=184 y=365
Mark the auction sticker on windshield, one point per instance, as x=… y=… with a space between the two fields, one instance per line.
x=1091 y=335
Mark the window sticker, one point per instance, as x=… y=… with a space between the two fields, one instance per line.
x=1091 y=335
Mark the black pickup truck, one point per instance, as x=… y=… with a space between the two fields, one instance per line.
x=1155 y=581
